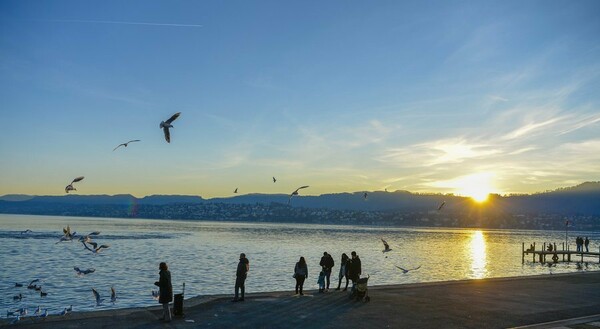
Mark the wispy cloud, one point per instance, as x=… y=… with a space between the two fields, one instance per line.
x=84 y=21
x=532 y=127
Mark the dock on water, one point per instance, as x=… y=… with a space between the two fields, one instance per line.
x=555 y=255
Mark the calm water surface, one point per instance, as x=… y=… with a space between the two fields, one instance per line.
x=204 y=256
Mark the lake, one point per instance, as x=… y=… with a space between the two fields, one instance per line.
x=204 y=255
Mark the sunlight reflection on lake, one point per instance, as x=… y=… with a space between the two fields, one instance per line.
x=478 y=255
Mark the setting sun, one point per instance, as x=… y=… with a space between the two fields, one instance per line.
x=476 y=186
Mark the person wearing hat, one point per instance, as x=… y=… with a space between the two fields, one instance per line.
x=240 y=277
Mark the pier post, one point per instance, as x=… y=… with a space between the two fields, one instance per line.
x=533 y=253
x=563 y=249
x=523 y=253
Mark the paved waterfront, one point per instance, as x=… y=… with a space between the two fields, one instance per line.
x=489 y=303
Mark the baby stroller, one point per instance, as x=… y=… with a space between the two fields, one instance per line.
x=361 y=290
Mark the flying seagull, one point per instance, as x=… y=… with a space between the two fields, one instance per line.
x=31 y=284
x=235 y=190
x=296 y=192
x=68 y=236
x=84 y=272
x=165 y=125
x=70 y=186
x=88 y=237
x=365 y=195
x=97 y=296
x=441 y=205
x=95 y=247
x=409 y=269
x=274 y=179
x=125 y=144
x=386 y=246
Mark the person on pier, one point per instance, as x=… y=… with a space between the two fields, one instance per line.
x=587 y=244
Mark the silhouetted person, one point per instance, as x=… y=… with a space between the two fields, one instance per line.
x=166 y=290
x=577 y=243
x=355 y=269
x=321 y=280
x=300 y=273
x=327 y=264
x=240 y=277
x=549 y=247
x=343 y=271
x=587 y=244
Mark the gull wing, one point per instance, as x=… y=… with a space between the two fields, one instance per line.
x=86 y=247
x=274 y=179
x=416 y=268
x=135 y=140
x=301 y=187
x=93 y=244
x=403 y=270
x=96 y=295
x=95 y=233
x=171 y=119
x=118 y=146
x=441 y=206
x=104 y=246
x=385 y=244
x=167 y=134
x=78 y=179
x=77 y=269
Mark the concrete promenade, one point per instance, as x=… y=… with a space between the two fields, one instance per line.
x=489 y=303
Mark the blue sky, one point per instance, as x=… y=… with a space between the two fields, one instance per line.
x=446 y=96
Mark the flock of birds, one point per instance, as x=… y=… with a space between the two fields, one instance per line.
x=68 y=236
x=92 y=246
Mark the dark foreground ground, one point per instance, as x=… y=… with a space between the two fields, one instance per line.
x=490 y=303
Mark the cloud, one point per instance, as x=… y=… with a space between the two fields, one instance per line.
x=84 y=21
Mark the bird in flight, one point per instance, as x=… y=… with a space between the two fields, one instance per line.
x=409 y=269
x=441 y=205
x=274 y=179
x=125 y=144
x=296 y=192
x=365 y=195
x=235 y=190
x=84 y=272
x=68 y=236
x=70 y=186
x=386 y=246
x=26 y=231
x=97 y=296
x=165 y=125
x=113 y=295
x=95 y=249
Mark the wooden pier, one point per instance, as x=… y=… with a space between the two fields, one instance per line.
x=556 y=255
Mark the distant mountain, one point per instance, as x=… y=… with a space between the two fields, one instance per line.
x=15 y=197
x=581 y=199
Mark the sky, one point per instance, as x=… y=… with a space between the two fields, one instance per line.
x=457 y=97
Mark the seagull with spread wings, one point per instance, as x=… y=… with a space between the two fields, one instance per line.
x=406 y=270
x=97 y=296
x=95 y=248
x=235 y=190
x=125 y=144
x=70 y=186
x=441 y=205
x=165 y=125
x=296 y=192
x=386 y=246
x=274 y=179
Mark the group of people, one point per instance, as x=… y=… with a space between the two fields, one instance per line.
x=581 y=243
x=350 y=268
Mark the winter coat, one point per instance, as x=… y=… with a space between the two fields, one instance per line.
x=301 y=270
x=242 y=268
x=166 y=289
x=327 y=262
x=354 y=268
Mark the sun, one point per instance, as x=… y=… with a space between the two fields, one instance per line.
x=477 y=186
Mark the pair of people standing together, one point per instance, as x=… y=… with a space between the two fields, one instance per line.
x=349 y=268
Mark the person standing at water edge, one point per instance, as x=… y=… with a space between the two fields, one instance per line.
x=355 y=269
x=587 y=244
x=240 y=277
x=300 y=273
x=343 y=271
x=166 y=290
x=327 y=264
